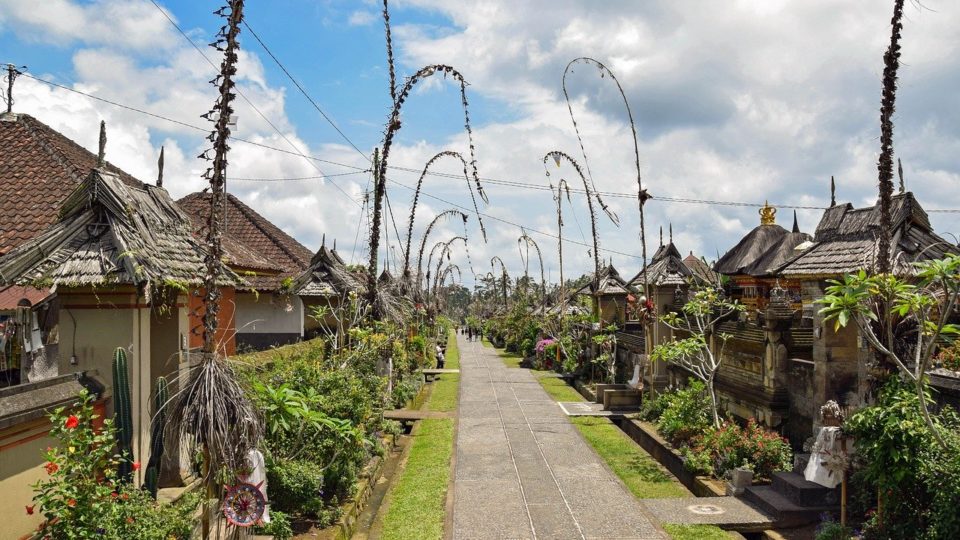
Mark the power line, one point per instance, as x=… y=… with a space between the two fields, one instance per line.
x=508 y=222
x=296 y=178
x=507 y=183
x=245 y=98
x=302 y=91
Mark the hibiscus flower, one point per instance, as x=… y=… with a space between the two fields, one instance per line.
x=72 y=422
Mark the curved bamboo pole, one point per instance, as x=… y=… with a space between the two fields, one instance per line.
x=503 y=273
x=525 y=238
x=416 y=199
x=557 y=157
x=642 y=195
x=426 y=233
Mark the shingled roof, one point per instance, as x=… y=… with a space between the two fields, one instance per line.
x=762 y=251
x=39 y=168
x=610 y=283
x=668 y=268
x=108 y=232
x=266 y=256
x=846 y=240
x=326 y=276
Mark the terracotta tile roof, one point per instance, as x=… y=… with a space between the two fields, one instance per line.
x=39 y=168
x=252 y=243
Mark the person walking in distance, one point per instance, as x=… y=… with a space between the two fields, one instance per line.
x=440 y=358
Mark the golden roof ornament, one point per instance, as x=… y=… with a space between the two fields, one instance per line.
x=768 y=214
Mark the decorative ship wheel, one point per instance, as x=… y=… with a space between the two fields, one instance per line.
x=244 y=504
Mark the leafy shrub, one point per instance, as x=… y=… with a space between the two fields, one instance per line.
x=279 y=527
x=652 y=409
x=720 y=450
x=82 y=496
x=918 y=480
x=686 y=414
x=831 y=530
x=296 y=486
x=403 y=392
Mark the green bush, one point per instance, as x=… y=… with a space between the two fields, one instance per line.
x=403 y=392
x=917 y=479
x=652 y=409
x=720 y=450
x=831 y=530
x=686 y=415
x=279 y=527
x=81 y=496
x=296 y=487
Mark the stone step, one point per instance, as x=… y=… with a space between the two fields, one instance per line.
x=802 y=492
x=785 y=513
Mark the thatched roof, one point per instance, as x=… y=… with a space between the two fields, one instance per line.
x=266 y=256
x=108 y=232
x=763 y=250
x=326 y=276
x=667 y=268
x=609 y=284
x=846 y=240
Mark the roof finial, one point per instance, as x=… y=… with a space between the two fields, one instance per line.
x=661 y=236
x=833 y=192
x=671 y=232
x=768 y=214
x=323 y=242
x=334 y=244
x=796 y=227
x=160 y=169
x=903 y=188
x=102 y=152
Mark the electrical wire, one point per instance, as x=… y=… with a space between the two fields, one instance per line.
x=507 y=183
x=302 y=91
x=245 y=98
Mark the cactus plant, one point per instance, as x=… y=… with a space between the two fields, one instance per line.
x=123 y=416
x=160 y=398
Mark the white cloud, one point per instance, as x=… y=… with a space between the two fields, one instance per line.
x=361 y=18
x=734 y=101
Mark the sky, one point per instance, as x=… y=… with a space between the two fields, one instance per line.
x=744 y=101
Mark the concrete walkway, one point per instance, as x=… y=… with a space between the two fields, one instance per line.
x=523 y=470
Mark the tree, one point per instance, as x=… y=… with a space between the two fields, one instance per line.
x=698 y=353
x=904 y=322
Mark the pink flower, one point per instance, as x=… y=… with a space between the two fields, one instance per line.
x=136 y=465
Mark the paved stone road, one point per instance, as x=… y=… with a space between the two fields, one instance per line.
x=523 y=470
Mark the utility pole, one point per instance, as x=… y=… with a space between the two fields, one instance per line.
x=12 y=73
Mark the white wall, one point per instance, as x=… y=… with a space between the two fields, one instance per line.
x=269 y=314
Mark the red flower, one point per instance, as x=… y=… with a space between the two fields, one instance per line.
x=114 y=495
x=51 y=467
x=72 y=422
x=124 y=496
x=129 y=520
x=136 y=465
x=30 y=509
x=71 y=502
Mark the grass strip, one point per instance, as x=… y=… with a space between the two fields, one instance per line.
x=418 y=501
x=696 y=532
x=443 y=395
x=645 y=478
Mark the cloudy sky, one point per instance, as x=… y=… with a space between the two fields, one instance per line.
x=740 y=101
